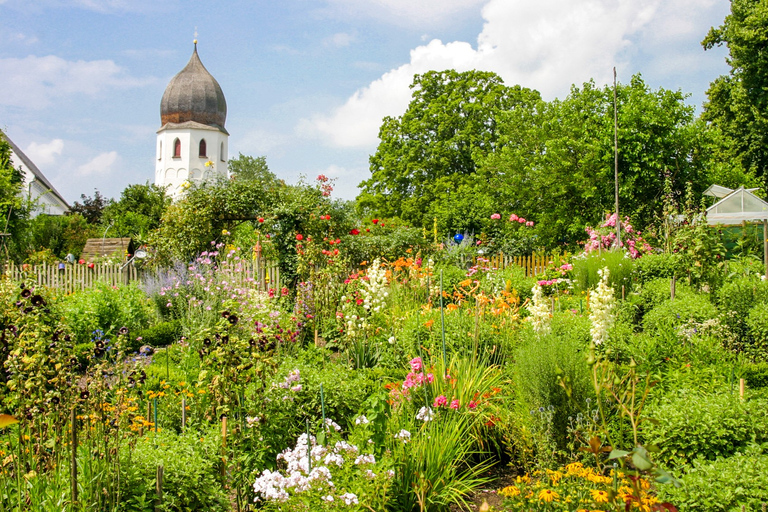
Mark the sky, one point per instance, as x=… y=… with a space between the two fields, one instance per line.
x=308 y=82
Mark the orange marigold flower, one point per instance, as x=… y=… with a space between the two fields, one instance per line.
x=548 y=495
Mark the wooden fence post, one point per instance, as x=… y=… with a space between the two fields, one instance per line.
x=159 y=488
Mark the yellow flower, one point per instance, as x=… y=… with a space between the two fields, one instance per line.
x=548 y=495
x=599 y=496
x=574 y=468
x=510 y=491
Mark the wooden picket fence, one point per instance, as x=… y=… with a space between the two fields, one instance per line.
x=67 y=278
x=533 y=264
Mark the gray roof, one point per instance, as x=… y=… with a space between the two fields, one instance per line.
x=39 y=176
x=194 y=95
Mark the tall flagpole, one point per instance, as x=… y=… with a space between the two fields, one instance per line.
x=616 y=159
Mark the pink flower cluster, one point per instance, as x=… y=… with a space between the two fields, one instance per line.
x=547 y=282
x=416 y=377
x=631 y=239
x=495 y=216
x=521 y=220
x=442 y=401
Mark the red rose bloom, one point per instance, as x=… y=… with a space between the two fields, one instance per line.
x=354 y=232
x=299 y=237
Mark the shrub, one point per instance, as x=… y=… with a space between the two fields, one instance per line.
x=159 y=335
x=691 y=425
x=107 y=309
x=658 y=266
x=667 y=318
x=724 y=485
x=191 y=463
x=757 y=321
x=755 y=375
x=735 y=299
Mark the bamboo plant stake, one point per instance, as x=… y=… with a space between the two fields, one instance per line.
x=183 y=413
x=442 y=319
x=73 y=463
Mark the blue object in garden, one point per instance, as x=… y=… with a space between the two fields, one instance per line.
x=62 y=266
x=458 y=237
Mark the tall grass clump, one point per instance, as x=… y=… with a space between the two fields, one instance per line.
x=620 y=266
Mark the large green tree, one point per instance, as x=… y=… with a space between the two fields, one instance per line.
x=737 y=103
x=555 y=164
x=14 y=210
x=137 y=213
x=427 y=157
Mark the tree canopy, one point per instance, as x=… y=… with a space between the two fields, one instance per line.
x=429 y=153
x=737 y=103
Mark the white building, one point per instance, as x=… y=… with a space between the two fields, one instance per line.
x=37 y=187
x=192 y=143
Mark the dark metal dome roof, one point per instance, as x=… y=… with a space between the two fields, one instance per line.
x=194 y=95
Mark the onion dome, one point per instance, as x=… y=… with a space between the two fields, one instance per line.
x=194 y=95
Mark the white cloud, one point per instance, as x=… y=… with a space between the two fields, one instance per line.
x=44 y=154
x=99 y=165
x=546 y=45
x=339 y=40
x=34 y=82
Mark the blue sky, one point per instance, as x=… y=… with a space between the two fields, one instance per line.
x=307 y=82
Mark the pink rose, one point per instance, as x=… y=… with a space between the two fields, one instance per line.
x=495 y=216
x=513 y=218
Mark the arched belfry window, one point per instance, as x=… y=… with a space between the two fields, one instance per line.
x=203 y=152
x=177 y=148
x=221 y=153
x=160 y=151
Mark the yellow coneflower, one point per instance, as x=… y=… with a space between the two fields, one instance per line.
x=510 y=491
x=548 y=495
x=599 y=496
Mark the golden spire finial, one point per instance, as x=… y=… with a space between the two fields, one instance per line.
x=195 y=40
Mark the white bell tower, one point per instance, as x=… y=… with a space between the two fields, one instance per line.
x=192 y=144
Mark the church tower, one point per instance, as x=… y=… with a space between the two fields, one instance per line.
x=192 y=143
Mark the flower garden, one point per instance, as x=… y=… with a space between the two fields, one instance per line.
x=394 y=372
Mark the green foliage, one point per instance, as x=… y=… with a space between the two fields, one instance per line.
x=755 y=375
x=14 y=210
x=136 y=213
x=557 y=158
x=737 y=103
x=541 y=363
x=426 y=159
x=107 y=309
x=666 y=319
x=657 y=266
x=191 y=472
x=735 y=300
x=253 y=170
x=655 y=292
x=432 y=470
x=160 y=334
x=725 y=485
x=758 y=330
x=619 y=264
x=691 y=425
